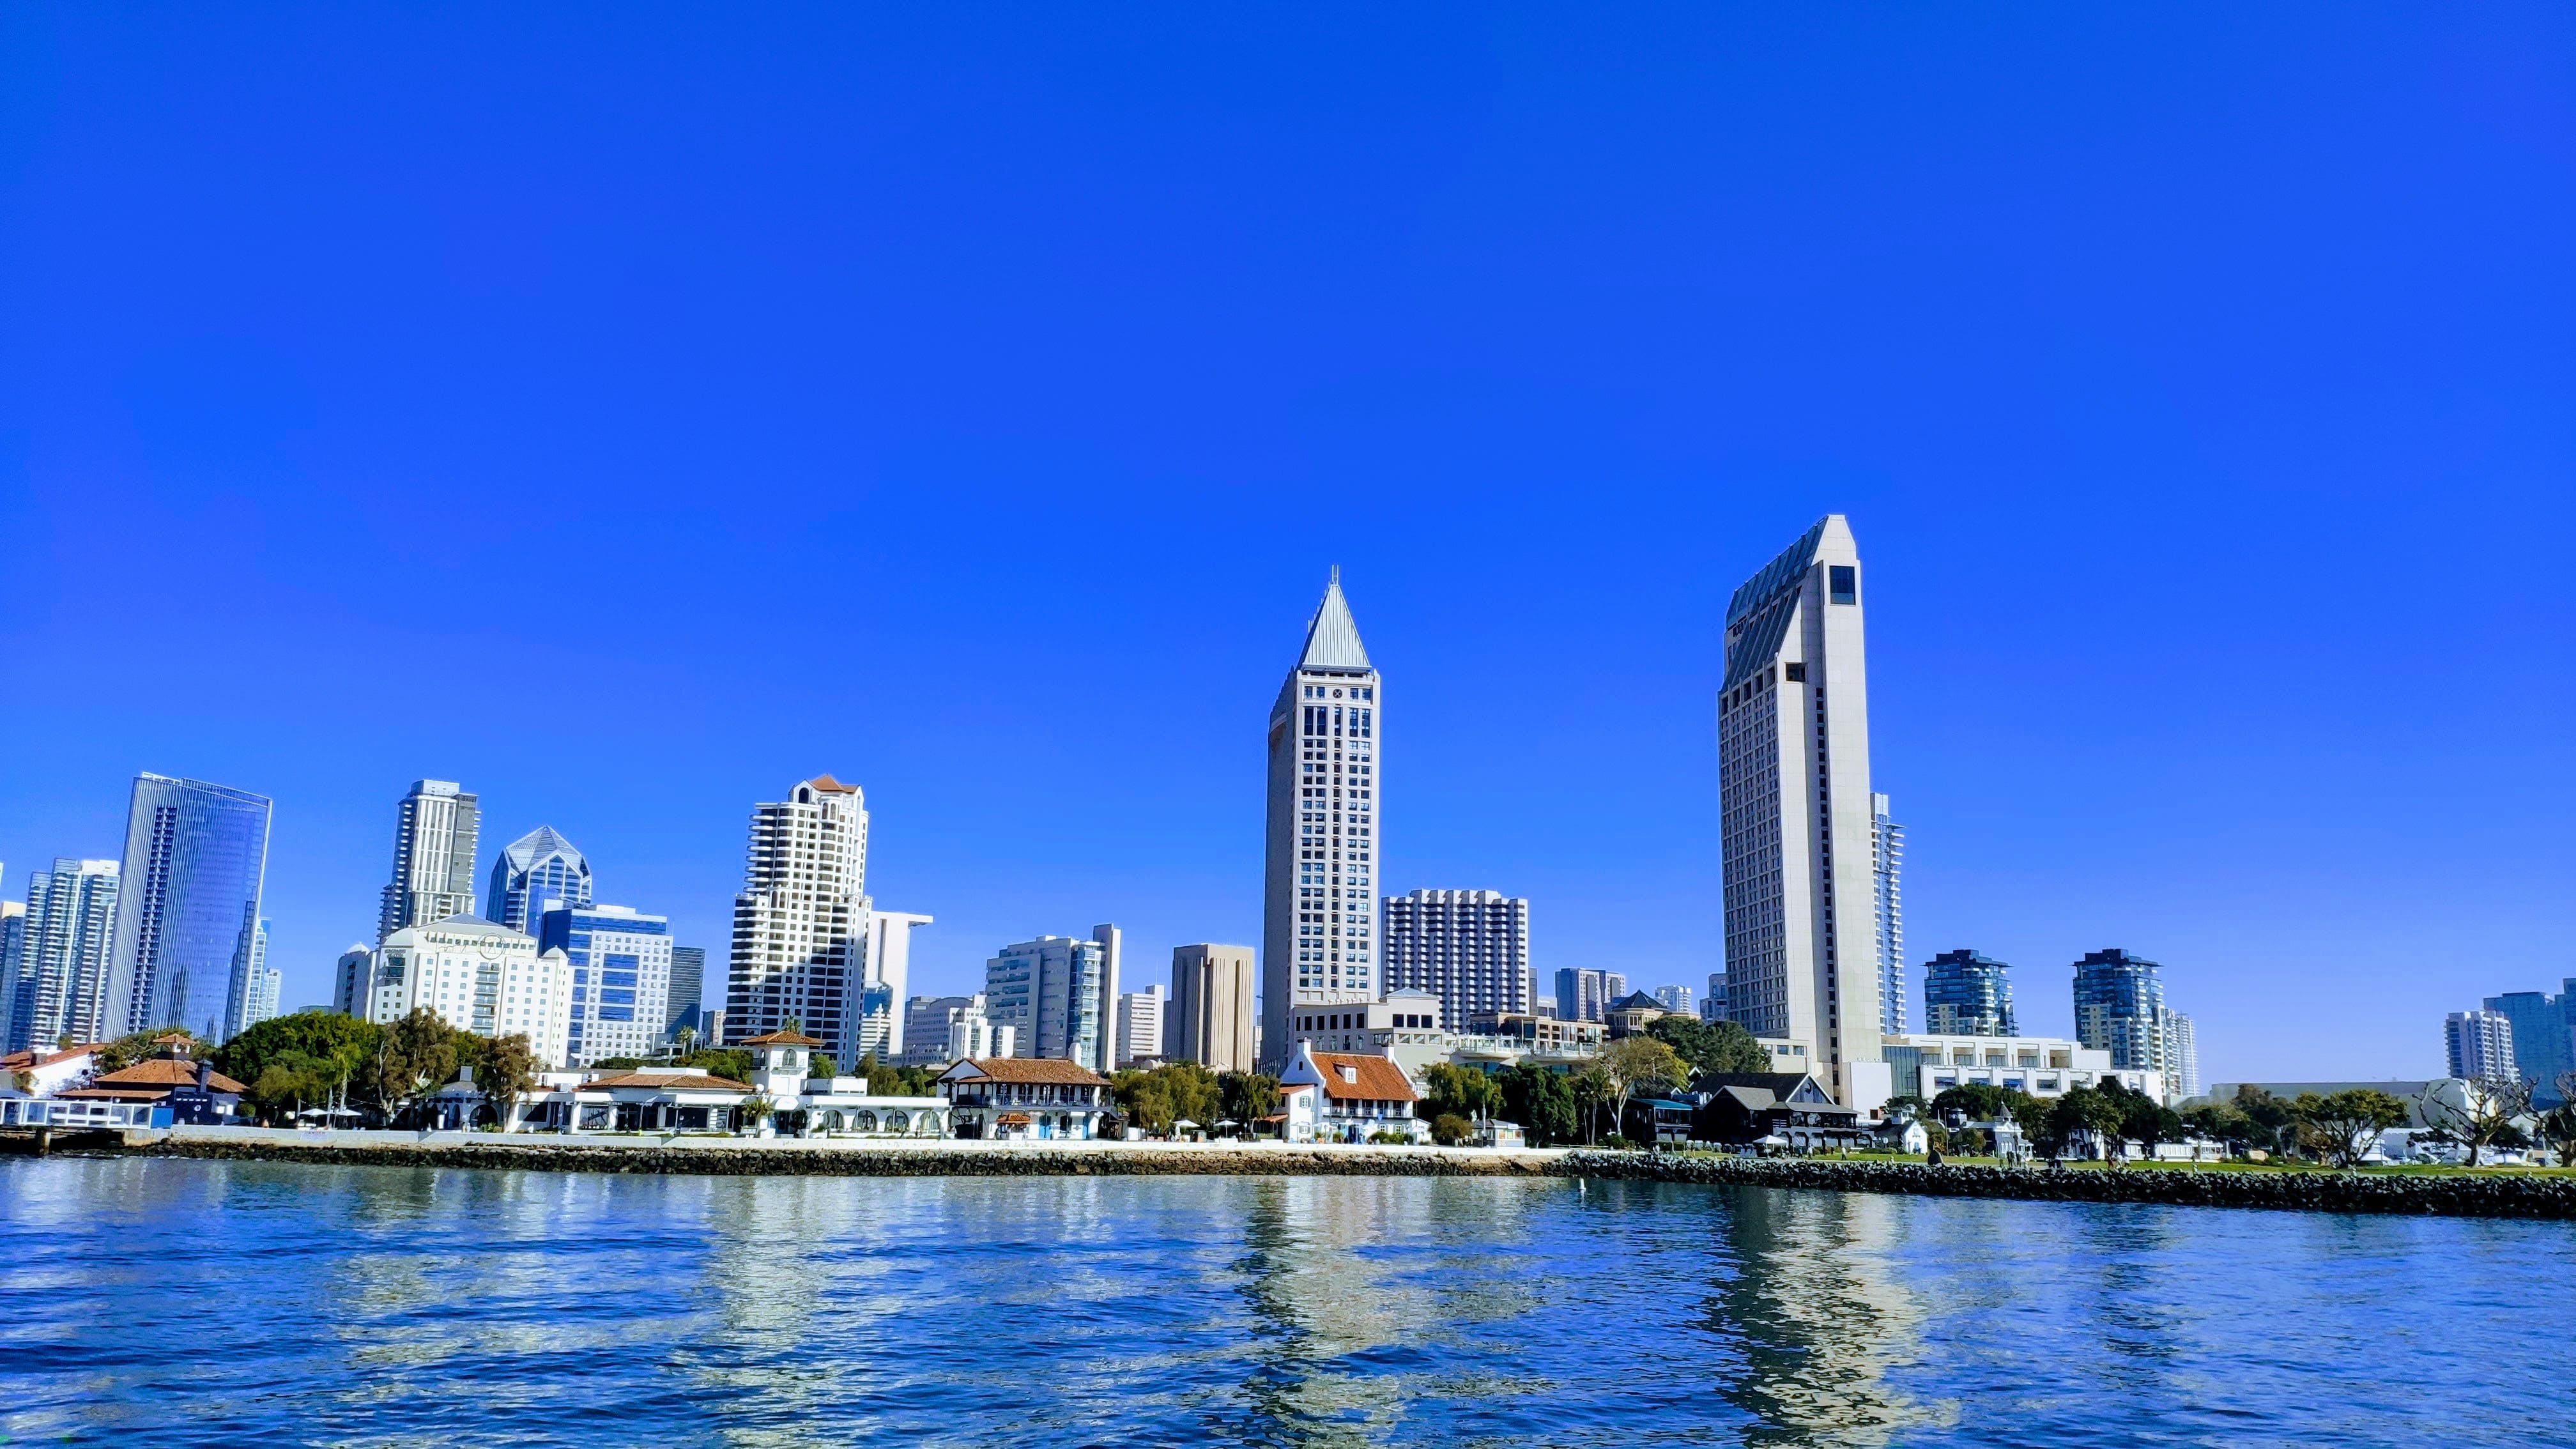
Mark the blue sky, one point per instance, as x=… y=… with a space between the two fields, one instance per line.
x=629 y=412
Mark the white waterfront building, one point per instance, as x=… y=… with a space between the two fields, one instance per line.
x=1927 y=1065
x=1468 y=948
x=435 y=835
x=478 y=977
x=1321 y=839
x=1796 y=808
x=621 y=979
x=800 y=924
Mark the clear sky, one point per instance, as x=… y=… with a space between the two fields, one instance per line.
x=629 y=412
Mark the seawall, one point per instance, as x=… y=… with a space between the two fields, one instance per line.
x=2500 y=1194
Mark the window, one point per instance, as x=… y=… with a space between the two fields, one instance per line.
x=1794 y=672
x=1843 y=583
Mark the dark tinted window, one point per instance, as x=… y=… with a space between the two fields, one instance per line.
x=1844 y=582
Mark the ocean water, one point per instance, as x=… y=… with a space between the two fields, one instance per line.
x=274 y=1304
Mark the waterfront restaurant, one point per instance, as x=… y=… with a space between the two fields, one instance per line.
x=1022 y=1099
x=1346 y=1097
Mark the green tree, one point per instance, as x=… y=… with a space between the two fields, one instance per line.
x=1541 y=1101
x=1711 y=1046
x=1171 y=1093
x=2557 y=1126
x=1247 y=1098
x=2082 y=1112
x=1593 y=1088
x=1971 y=1102
x=1459 y=1090
x=415 y=1056
x=1449 y=1129
x=290 y=1062
x=2342 y=1127
x=2270 y=1123
x=2143 y=1118
x=1635 y=1064
x=507 y=1072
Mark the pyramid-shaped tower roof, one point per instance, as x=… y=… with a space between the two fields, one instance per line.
x=1332 y=639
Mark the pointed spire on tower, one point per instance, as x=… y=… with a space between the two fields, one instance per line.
x=1332 y=640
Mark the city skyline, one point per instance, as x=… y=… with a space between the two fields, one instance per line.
x=2153 y=439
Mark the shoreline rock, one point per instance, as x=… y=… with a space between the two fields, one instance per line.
x=2501 y=1195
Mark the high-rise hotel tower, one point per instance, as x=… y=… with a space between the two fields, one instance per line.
x=1793 y=771
x=800 y=923
x=1318 y=936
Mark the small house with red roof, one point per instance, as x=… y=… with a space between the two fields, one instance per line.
x=1346 y=1097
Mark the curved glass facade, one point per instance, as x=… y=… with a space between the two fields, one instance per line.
x=196 y=857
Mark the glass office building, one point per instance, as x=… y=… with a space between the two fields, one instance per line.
x=621 y=979
x=531 y=875
x=1966 y=993
x=187 y=923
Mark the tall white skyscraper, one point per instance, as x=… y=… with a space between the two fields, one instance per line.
x=1675 y=998
x=532 y=873
x=434 y=842
x=267 y=983
x=1887 y=896
x=889 y=977
x=2479 y=1043
x=1321 y=846
x=1059 y=995
x=1469 y=948
x=1140 y=1024
x=63 y=957
x=1793 y=786
x=800 y=925
x=2182 y=1057
x=350 y=976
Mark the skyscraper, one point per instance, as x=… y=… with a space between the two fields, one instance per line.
x=688 y=986
x=13 y=957
x=1469 y=948
x=2182 y=1058
x=889 y=979
x=1320 y=866
x=63 y=963
x=1793 y=789
x=1675 y=999
x=2120 y=1009
x=532 y=873
x=1712 y=1007
x=2544 y=1036
x=621 y=978
x=1886 y=871
x=187 y=919
x=1140 y=1024
x=434 y=844
x=266 y=982
x=2480 y=1045
x=1210 y=1021
x=1060 y=994
x=1967 y=993
x=800 y=925
x=351 y=976
x=1584 y=994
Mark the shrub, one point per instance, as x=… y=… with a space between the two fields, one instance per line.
x=1449 y=1129
x=1616 y=1143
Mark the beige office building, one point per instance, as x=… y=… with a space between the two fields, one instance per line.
x=1209 y=1020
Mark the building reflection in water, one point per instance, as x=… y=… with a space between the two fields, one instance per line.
x=1812 y=1317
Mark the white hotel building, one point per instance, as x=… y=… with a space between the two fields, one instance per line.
x=800 y=924
x=1320 y=871
x=478 y=977
x=1797 y=823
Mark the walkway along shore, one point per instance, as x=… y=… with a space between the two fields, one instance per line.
x=2498 y=1194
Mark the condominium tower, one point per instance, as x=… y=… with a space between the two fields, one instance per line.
x=2120 y=1008
x=63 y=953
x=1059 y=994
x=2479 y=1044
x=434 y=843
x=1469 y=948
x=187 y=915
x=1210 y=1018
x=688 y=987
x=800 y=924
x=1321 y=843
x=2544 y=1037
x=532 y=874
x=1887 y=898
x=1584 y=994
x=1967 y=993
x=1796 y=809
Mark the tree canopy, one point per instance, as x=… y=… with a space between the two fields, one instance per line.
x=2342 y=1127
x=1172 y=1092
x=287 y=1063
x=1718 y=1046
x=1541 y=1101
x=1453 y=1090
